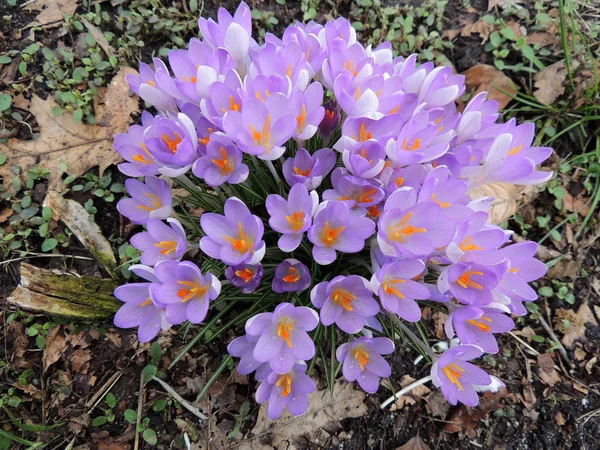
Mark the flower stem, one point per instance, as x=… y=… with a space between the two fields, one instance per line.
x=413 y=337
x=405 y=390
x=273 y=171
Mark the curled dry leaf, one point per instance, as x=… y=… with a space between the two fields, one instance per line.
x=325 y=410
x=51 y=10
x=508 y=198
x=466 y=418
x=99 y=37
x=78 y=220
x=550 y=82
x=572 y=325
x=499 y=87
x=415 y=443
x=78 y=145
x=480 y=27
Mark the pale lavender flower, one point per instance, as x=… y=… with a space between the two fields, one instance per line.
x=291 y=276
x=132 y=149
x=354 y=191
x=471 y=283
x=289 y=390
x=362 y=361
x=308 y=169
x=345 y=301
x=365 y=159
x=306 y=106
x=145 y=85
x=222 y=162
x=161 y=241
x=149 y=200
x=243 y=348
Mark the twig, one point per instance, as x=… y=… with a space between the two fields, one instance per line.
x=408 y=388
x=136 y=443
x=529 y=347
x=106 y=387
x=549 y=330
x=187 y=405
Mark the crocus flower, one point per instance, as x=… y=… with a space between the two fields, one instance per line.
x=345 y=301
x=408 y=176
x=146 y=87
x=412 y=229
x=234 y=238
x=456 y=376
x=471 y=283
x=362 y=361
x=306 y=106
x=222 y=162
x=283 y=336
x=291 y=276
x=353 y=191
x=292 y=217
x=246 y=277
x=161 y=241
x=361 y=129
x=395 y=285
x=308 y=169
x=447 y=191
x=243 y=348
x=141 y=309
x=262 y=128
x=358 y=96
x=149 y=200
x=524 y=268
x=365 y=159
x=173 y=144
x=288 y=390
x=232 y=33
x=348 y=60
x=185 y=290
x=476 y=326
x=132 y=149
x=287 y=58
x=331 y=120
x=223 y=97
x=334 y=229
x=441 y=87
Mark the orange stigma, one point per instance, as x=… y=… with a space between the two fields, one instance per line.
x=299 y=171
x=285 y=381
x=284 y=330
x=390 y=288
x=261 y=138
x=156 y=203
x=301 y=119
x=246 y=274
x=171 y=143
x=166 y=247
x=223 y=164
x=193 y=290
x=146 y=302
x=344 y=298
x=482 y=326
x=416 y=144
x=362 y=356
x=296 y=220
x=465 y=281
x=329 y=235
x=292 y=276
x=454 y=372
x=403 y=229
x=373 y=212
x=468 y=246
x=364 y=134
x=442 y=204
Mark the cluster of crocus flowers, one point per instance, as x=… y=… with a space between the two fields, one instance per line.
x=329 y=217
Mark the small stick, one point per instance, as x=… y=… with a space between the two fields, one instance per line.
x=136 y=443
x=106 y=387
x=529 y=347
x=549 y=330
x=405 y=390
x=187 y=405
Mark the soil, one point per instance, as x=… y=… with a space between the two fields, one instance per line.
x=532 y=413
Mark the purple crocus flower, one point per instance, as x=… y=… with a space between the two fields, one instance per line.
x=234 y=238
x=292 y=217
x=149 y=200
x=173 y=143
x=441 y=187
x=354 y=191
x=246 y=277
x=334 y=229
x=476 y=326
x=414 y=143
x=141 y=309
x=309 y=169
x=362 y=361
x=358 y=96
x=345 y=301
x=232 y=33
x=395 y=285
x=331 y=120
x=223 y=97
x=471 y=283
x=349 y=60
x=145 y=85
x=278 y=59
x=243 y=348
x=185 y=290
x=524 y=268
x=456 y=376
x=222 y=162
x=132 y=149
x=412 y=229
x=365 y=159
x=283 y=336
x=306 y=106
x=291 y=276
x=361 y=129
x=161 y=241
x=262 y=128
x=409 y=176
x=289 y=390
x=441 y=87
x=479 y=114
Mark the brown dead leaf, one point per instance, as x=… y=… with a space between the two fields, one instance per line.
x=550 y=82
x=51 y=10
x=415 y=443
x=548 y=373
x=437 y=404
x=54 y=347
x=572 y=325
x=466 y=418
x=565 y=268
x=5 y=214
x=411 y=397
x=528 y=399
x=325 y=410
x=542 y=38
x=99 y=37
x=579 y=204
x=590 y=364
x=560 y=420
x=80 y=146
x=508 y=198
x=483 y=77
x=80 y=359
x=480 y=27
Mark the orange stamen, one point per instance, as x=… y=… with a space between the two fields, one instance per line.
x=296 y=220
x=301 y=119
x=241 y=244
x=513 y=151
x=416 y=144
x=362 y=356
x=156 y=203
x=167 y=247
x=390 y=288
x=468 y=246
x=246 y=274
x=193 y=290
x=344 y=298
x=364 y=134
x=285 y=381
x=293 y=275
x=223 y=163
x=284 y=330
x=454 y=372
x=465 y=281
x=373 y=212
x=403 y=229
x=442 y=204
x=146 y=302
x=481 y=326
x=329 y=235
x=171 y=143
x=300 y=172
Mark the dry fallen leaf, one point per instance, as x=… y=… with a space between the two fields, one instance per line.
x=487 y=78
x=99 y=37
x=5 y=214
x=508 y=198
x=467 y=418
x=543 y=39
x=415 y=443
x=549 y=82
x=78 y=220
x=325 y=410
x=78 y=145
x=409 y=398
x=548 y=373
x=54 y=347
x=572 y=325
x=51 y=10
x=480 y=27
